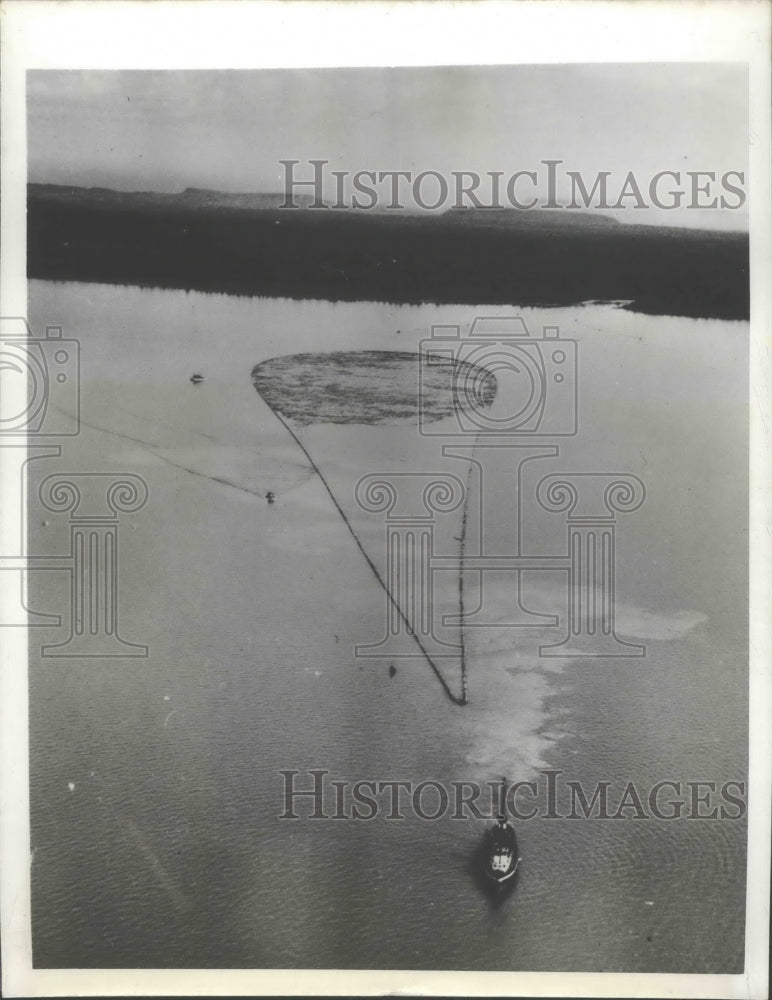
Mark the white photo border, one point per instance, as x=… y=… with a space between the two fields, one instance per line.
x=111 y=34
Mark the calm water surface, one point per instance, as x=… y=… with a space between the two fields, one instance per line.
x=155 y=782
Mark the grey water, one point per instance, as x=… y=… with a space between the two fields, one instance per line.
x=155 y=782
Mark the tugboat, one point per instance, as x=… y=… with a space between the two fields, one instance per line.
x=500 y=857
x=501 y=861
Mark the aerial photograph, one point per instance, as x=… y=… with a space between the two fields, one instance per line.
x=390 y=608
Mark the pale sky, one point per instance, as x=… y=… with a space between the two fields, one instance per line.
x=168 y=130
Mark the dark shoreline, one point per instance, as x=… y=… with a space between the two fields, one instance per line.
x=512 y=258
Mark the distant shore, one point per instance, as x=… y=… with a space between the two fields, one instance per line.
x=462 y=257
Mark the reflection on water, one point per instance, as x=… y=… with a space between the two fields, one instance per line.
x=155 y=783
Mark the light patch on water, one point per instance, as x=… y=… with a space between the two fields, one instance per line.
x=641 y=624
x=509 y=725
